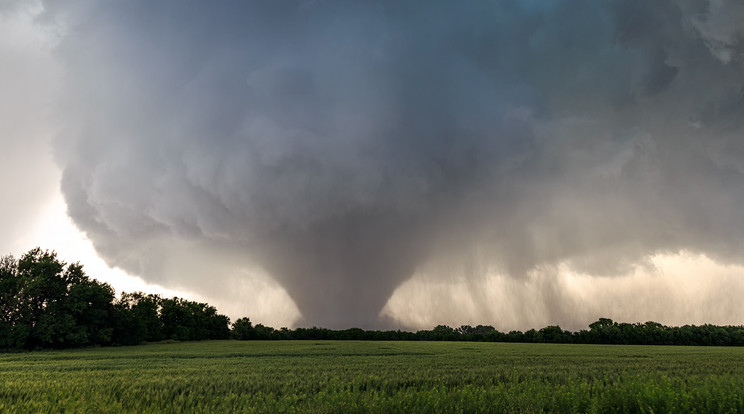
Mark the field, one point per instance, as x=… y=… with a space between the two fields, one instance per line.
x=383 y=377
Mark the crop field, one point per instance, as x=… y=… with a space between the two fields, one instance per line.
x=382 y=377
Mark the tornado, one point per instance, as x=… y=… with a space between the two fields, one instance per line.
x=344 y=146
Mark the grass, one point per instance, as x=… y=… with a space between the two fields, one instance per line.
x=383 y=377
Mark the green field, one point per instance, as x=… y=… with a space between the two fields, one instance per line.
x=384 y=377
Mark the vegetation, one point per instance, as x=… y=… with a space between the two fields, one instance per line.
x=604 y=331
x=389 y=377
x=46 y=303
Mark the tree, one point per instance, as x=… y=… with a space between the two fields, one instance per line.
x=138 y=318
x=444 y=333
x=41 y=287
x=243 y=329
x=9 y=289
x=11 y=334
x=47 y=303
x=604 y=331
x=184 y=320
x=554 y=334
x=91 y=305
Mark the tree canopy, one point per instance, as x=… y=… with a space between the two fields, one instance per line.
x=47 y=303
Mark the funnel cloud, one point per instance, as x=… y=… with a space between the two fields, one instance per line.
x=343 y=146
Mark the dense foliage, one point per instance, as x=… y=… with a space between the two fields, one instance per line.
x=45 y=303
x=381 y=377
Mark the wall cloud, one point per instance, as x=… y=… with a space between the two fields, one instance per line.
x=343 y=146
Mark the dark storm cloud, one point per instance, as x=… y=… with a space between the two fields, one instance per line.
x=340 y=146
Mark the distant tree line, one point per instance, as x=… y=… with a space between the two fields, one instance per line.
x=46 y=303
x=604 y=331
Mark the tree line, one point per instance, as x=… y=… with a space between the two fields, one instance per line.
x=46 y=303
x=603 y=331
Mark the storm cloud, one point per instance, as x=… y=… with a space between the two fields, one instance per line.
x=342 y=147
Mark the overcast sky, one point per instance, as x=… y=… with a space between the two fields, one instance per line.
x=385 y=164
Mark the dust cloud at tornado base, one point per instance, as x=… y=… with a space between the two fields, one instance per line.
x=336 y=149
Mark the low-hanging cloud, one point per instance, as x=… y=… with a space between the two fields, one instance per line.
x=343 y=146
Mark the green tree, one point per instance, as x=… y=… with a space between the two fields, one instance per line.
x=10 y=334
x=138 y=318
x=604 y=331
x=185 y=320
x=47 y=303
x=243 y=329
x=554 y=334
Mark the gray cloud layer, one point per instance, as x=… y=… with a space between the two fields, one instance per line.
x=343 y=145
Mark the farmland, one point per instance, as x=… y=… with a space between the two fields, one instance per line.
x=358 y=376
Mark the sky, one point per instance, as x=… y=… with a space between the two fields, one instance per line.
x=385 y=164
